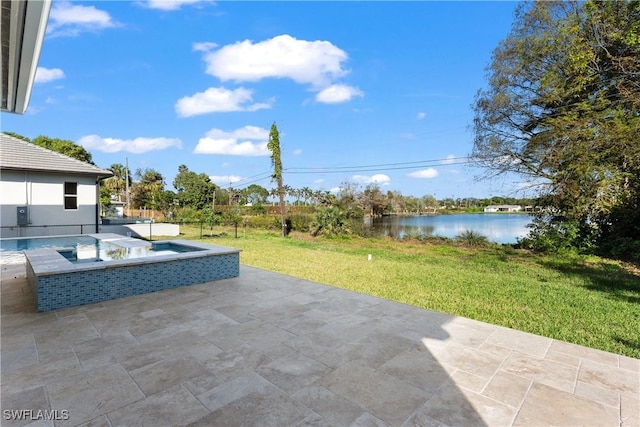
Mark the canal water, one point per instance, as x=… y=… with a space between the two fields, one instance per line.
x=499 y=228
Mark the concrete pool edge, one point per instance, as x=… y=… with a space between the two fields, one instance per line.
x=58 y=283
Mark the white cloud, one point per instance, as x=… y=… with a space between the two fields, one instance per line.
x=449 y=160
x=218 y=100
x=67 y=19
x=421 y=115
x=335 y=190
x=136 y=146
x=246 y=141
x=425 y=173
x=297 y=152
x=318 y=181
x=204 y=46
x=45 y=75
x=224 y=180
x=171 y=4
x=338 y=93
x=317 y=63
x=379 y=178
x=506 y=160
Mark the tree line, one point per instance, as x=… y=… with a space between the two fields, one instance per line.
x=196 y=192
x=196 y=197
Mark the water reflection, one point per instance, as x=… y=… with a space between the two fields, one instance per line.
x=499 y=228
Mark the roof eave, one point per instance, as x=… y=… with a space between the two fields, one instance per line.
x=21 y=47
x=99 y=174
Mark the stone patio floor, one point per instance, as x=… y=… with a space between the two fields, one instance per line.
x=266 y=349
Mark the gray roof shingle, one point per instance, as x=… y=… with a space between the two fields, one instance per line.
x=16 y=154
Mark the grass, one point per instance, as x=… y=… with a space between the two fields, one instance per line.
x=584 y=300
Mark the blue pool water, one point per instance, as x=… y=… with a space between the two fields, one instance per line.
x=81 y=249
x=24 y=244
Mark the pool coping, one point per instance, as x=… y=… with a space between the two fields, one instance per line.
x=49 y=261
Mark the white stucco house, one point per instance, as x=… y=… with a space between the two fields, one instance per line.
x=503 y=208
x=43 y=192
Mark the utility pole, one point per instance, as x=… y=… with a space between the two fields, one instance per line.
x=126 y=169
x=276 y=161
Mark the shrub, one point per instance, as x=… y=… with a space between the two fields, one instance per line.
x=268 y=222
x=330 y=221
x=556 y=233
x=624 y=248
x=472 y=239
x=258 y=209
x=414 y=233
x=300 y=222
x=189 y=214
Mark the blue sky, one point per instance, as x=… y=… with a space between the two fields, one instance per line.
x=360 y=91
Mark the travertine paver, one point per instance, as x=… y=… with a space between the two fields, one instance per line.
x=457 y=406
x=388 y=398
x=554 y=374
x=549 y=406
x=173 y=406
x=92 y=393
x=267 y=349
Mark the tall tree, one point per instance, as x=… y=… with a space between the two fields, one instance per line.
x=306 y=193
x=66 y=147
x=276 y=161
x=347 y=198
x=194 y=190
x=255 y=194
x=117 y=184
x=563 y=108
x=148 y=190
x=16 y=135
x=373 y=199
x=62 y=146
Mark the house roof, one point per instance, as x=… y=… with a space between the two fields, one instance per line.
x=19 y=155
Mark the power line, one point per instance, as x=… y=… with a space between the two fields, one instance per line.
x=246 y=184
x=263 y=175
x=449 y=161
x=376 y=169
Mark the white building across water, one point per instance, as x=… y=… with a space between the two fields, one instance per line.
x=503 y=208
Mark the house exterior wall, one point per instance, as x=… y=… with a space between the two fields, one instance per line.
x=43 y=194
x=503 y=208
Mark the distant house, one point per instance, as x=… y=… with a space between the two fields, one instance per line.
x=46 y=193
x=115 y=209
x=503 y=208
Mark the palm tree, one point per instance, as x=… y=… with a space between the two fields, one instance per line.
x=306 y=193
x=117 y=184
x=147 y=192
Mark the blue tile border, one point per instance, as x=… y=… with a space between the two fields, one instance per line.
x=60 y=284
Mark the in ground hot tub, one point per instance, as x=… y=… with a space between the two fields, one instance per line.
x=117 y=267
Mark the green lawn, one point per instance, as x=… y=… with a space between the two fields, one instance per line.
x=584 y=300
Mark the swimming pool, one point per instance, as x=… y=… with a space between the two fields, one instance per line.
x=86 y=248
x=57 y=281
